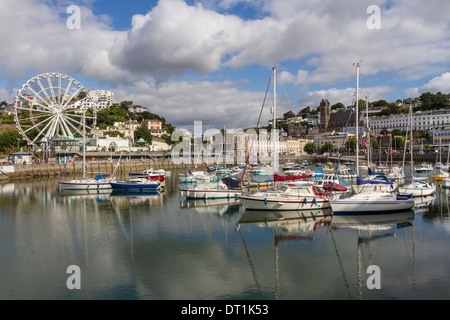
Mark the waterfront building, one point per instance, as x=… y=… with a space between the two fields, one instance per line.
x=21 y=157
x=441 y=136
x=422 y=120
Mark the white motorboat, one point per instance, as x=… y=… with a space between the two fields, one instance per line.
x=370 y=203
x=445 y=183
x=418 y=188
x=226 y=187
x=424 y=167
x=295 y=195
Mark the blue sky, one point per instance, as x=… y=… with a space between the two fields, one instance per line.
x=210 y=60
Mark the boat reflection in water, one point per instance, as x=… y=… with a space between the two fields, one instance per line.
x=370 y=228
x=101 y=194
x=373 y=223
x=422 y=204
x=298 y=225
x=288 y=221
x=225 y=206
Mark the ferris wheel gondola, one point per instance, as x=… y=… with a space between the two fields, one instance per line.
x=53 y=105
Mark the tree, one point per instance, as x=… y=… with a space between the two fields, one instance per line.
x=9 y=139
x=350 y=144
x=398 y=143
x=289 y=114
x=337 y=106
x=374 y=144
x=327 y=147
x=310 y=147
x=144 y=133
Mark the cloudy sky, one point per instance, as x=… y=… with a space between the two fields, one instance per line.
x=211 y=60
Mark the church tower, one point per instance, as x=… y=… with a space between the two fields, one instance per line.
x=324 y=109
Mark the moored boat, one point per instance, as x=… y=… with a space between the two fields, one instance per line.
x=372 y=203
x=100 y=182
x=418 y=188
x=220 y=188
x=295 y=195
x=136 y=184
x=424 y=167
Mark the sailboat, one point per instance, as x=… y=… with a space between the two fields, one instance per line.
x=97 y=183
x=369 y=202
x=417 y=187
x=138 y=184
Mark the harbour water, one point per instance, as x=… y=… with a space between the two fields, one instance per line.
x=162 y=247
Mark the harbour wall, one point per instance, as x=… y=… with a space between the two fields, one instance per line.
x=121 y=169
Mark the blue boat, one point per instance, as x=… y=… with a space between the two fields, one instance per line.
x=137 y=184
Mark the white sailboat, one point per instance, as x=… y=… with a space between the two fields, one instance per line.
x=370 y=202
x=416 y=187
x=97 y=183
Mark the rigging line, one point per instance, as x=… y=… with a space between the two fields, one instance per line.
x=341 y=267
x=252 y=266
x=342 y=148
x=257 y=125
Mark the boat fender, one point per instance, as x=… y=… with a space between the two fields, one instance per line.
x=315 y=201
x=306 y=200
x=265 y=221
x=265 y=201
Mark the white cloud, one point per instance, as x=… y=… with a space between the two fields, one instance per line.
x=217 y=104
x=438 y=84
x=345 y=96
x=318 y=41
x=175 y=38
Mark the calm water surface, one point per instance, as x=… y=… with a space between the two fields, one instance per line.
x=162 y=247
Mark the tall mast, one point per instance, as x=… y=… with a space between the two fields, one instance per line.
x=84 y=144
x=368 y=131
x=357 y=120
x=411 y=128
x=275 y=136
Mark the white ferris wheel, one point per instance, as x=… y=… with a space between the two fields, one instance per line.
x=53 y=105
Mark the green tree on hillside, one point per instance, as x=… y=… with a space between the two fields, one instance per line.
x=144 y=133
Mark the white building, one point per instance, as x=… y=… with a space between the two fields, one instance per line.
x=114 y=144
x=422 y=120
x=101 y=99
x=137 y=109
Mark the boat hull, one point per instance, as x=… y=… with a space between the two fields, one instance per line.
x=210 y=194
x=84 y=185
x=445 y=183
x=129 y=187
x=418 y=192
x=368 y=206
x=261 y=203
